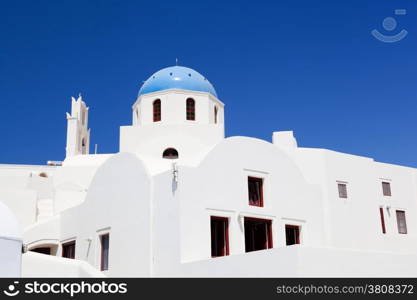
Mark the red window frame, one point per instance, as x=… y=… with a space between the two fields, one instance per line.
x=190 y=109
x=68 y=250
x=269 y=240
x=381 y=214
x=156 y=110
x=260 y=202
x=226 y=235
x=297 y=236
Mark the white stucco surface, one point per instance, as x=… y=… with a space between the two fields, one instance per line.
x=10 y=243
x=40 y=265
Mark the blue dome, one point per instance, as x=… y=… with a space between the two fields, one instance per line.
x=177 y=77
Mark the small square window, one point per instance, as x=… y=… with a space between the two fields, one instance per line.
x=401 y=223
x=292 y=234
x=386 y=188
x=342 y=190
x=255 y=189
x=68 y=250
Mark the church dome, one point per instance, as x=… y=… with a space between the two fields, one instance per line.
x=177 y=77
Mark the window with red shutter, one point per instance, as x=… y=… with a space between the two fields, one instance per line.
x=219 y=236
x=68 y=250
x=258 y=234
x=255 y=190
x=190 y=109
x=292 y=234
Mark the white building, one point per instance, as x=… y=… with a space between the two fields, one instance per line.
x=180 y=199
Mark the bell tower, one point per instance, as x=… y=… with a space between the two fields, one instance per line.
x=78 y=134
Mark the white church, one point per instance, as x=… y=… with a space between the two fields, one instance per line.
x=180 y=199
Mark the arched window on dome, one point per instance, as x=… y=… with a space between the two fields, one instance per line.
x=157 y=110
x=190 y=109
x=215 y=114
x=170 y=153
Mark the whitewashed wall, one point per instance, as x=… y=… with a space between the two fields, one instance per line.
x=355 y=222
x=10 y=243
x=118 y=202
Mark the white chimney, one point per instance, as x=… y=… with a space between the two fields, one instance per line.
x=284 y=140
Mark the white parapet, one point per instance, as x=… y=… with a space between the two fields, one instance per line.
x=42 y=265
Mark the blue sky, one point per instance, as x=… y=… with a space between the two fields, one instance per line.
x=308 y=66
